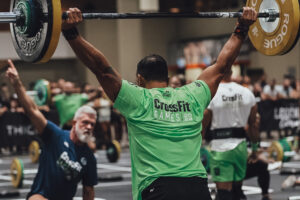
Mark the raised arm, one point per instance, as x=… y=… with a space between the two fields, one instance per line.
x=108 y=77
x=31 y=110
x=215 y=73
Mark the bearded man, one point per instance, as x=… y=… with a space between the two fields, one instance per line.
x=65 y=158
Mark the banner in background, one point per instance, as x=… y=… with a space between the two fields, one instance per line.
x=16 y=128
x=279 y=115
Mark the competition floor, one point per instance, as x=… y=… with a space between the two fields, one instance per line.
x=120 y=188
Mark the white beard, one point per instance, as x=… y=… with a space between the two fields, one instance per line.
x=80 y=133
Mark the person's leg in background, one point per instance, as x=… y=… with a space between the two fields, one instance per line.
x=259 y=169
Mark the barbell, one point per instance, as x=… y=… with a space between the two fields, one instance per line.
x=41 y=92
x=35 y=25
x=283 y=149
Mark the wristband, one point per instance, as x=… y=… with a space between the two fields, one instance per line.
x=241 y=30
x=254 y=146
x=71 y=33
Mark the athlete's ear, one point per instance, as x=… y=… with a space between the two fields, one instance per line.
x=140 y=81
x=74 y=122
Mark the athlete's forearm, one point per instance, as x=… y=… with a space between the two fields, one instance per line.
x=254 y=134
x=213 y=75
x=108 y=77
x=207 y=116
x=26 y=102
x=37 y=119
x=254 y=123
x=229 y=53
x=88 y=193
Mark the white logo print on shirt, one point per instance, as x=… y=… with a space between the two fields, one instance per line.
x=71 y=168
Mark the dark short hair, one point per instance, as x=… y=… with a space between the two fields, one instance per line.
x=153 y=68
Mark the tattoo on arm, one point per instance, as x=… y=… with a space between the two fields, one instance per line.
x=110 y=81
x=94 y=59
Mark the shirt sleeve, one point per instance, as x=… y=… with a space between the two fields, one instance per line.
x=51 y=132
x=58 y=98
x=90 y=178
x=84 y=98
x=130 y=99
x=200 y=90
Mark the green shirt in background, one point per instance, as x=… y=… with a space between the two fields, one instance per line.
x=67 y=105
x=164 y=126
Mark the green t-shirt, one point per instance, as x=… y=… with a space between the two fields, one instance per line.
x=164 y=126
x=67 y=105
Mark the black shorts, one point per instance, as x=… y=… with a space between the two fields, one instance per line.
x=181 y=188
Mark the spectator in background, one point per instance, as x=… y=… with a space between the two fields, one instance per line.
x=286 y=88
x=3 y=110
x=4 y=95
x=87 y=88
x=68 y=102
x=103 y=106
x=61 y=82
x=272 y=91
x=247 y=83
x=55 y=89
x=4 y=105
x=15 y=106
x=238 y=79
x=258 y=167
x=295 y=94
x=177 y=81
x=258 y=92
x=263 y=80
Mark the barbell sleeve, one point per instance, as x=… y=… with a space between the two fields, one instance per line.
x=8 y=17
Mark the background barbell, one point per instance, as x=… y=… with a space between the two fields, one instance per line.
x=36 y=25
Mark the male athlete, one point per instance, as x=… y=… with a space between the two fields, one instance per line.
x=230 y=111
x=65 y=158
x=164 y=124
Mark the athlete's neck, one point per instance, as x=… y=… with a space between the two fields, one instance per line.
x=156 y=84
x=226 y=81
x=74 y=138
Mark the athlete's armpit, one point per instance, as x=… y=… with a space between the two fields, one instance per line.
x=111 y=82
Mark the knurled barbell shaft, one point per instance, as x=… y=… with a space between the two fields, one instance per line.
x=169 y=15
x=12 y=17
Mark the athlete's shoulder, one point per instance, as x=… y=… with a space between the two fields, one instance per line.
x=59 y=97
x=241 y=87
x=246 y=92
x=52 y=126
x=53 y=130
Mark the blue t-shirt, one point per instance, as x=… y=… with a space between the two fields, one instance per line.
x=63 y=165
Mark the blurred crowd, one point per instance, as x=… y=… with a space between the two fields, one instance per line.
x=67 y=97
x=262 y=88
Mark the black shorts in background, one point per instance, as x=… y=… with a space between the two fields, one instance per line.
x=177 y=188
